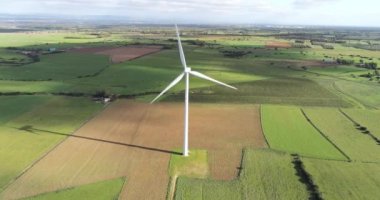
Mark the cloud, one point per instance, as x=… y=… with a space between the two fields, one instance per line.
x=164 y=10
x=156 y=5
x=207 y=11
x=311 y=3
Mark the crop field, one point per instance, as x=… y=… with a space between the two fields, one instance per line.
x=277 y=44
x=366 y=118
x=367 y=94
x=135 y=129
x=303 y=124
x=25 y=137
x=286 y=129
x=342 y=132
x=296 y=91
x=121 y=54
x=108 y=189
x=345 y=180
x=59 y=66
x=45 y=38
x=265 y=175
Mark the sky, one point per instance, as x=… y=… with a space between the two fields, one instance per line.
x=279 y=12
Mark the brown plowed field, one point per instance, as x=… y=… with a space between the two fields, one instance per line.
x=277 y=44
x=120 y=54
x=136 y=140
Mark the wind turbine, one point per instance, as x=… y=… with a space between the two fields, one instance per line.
x=186 y=73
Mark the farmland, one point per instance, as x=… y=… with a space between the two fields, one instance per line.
x=134 y=136
x=366 y=118
x=108 y=189
x=295 y=134
x=300 y=126
x=265 y=175
x=56 y=67
x=343 y=180
x=357 y=145
x=25 y=137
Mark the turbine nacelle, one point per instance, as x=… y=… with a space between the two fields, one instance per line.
x=187 y=70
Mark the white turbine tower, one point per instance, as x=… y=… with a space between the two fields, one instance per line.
x=186 y=72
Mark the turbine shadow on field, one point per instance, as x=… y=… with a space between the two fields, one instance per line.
x=30 y=129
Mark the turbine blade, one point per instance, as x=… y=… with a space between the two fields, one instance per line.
x=176 y=80
x=181 y=54
x=197 y=74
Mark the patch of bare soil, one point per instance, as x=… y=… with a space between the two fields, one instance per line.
x=120 y=54
x=277 y=44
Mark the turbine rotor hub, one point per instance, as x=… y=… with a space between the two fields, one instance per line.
x=187 y=69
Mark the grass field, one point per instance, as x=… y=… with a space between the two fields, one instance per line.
x=47 y=40
x=13 y=106
x=153 y=72
x=59 y=66
x=265 y=175
x=104 y=190
x=285 y=90
x=367 y=118
x=196 y=165
x=345 y=180
x=367 y=94
x=342 y=132
x=35 y=124
x=33 y=86
x=286 y=129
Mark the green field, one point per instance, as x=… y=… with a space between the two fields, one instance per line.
x=104 y=190
x=345 y=180
x=59 y=66
x=285 y=90
x=286 y=129
x=35 y=124
x=367 y=118
x=152 y=73
x=33 y=86
x=265 y=175
x=13 y=106
x=300 y=89
x=195 y=165
x=47 y=40
x=342 y=132
x=367 y=94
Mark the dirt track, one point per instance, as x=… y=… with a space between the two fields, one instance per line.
x=121 y=54
x=136 y=140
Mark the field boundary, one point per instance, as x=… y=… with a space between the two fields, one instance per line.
x=74 y=187
x=93 y=74
x=306 y=178
x=360 y=103
x=121 y=188
x=148 y=54
x=50 y=150
x=171 y=188
x=76 y=94
x=261 y=125
x=358 y=127
x=347 y=97
x=242 y=161
x=325 y=136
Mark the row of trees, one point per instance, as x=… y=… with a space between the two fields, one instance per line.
x=368 y=65
x=342 y=61
x=235 y=53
